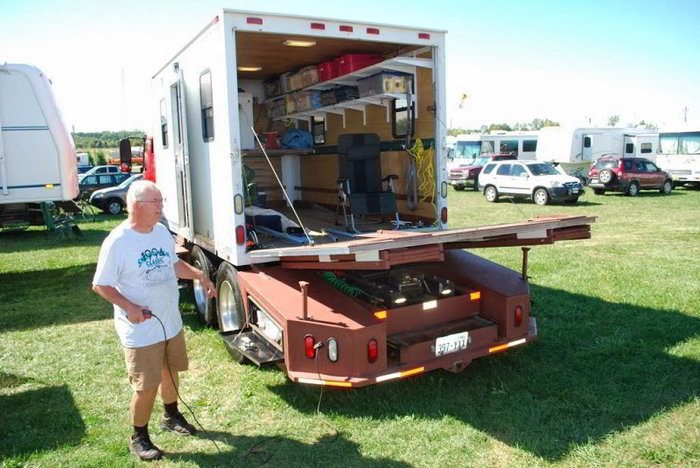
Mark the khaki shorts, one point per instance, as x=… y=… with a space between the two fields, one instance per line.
x=145 y=364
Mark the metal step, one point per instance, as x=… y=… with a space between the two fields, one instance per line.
x=254 y=348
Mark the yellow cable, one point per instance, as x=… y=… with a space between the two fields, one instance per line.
x=425 y=170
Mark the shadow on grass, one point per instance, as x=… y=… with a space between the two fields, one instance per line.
x=597 y=369
x=38 y=420
x=50 y=297
x=331 y=450
x=504 y=199
x=28 y=241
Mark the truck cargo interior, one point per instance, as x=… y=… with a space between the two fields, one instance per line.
x=311 y=175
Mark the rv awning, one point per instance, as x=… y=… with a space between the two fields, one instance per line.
x=386 y=248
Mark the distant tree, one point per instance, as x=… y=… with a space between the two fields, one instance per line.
x=613 y=120
x=91 y=158
x=647 y=125
x=100 y=158
x=499 y=127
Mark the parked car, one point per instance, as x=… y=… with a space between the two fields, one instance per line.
x=467 y=174
x=113 y=200
x=83 y=169
x=528 y=179
x=90 y=183
x=628 y=175
x=108 y=169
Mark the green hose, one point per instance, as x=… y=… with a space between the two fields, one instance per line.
x=341 y=285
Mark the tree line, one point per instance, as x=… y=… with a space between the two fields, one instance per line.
x=86 y=140
x=534 y=124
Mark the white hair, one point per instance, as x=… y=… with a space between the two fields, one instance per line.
x=136 y=191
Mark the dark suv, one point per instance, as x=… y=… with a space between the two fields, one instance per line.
x=628 y=175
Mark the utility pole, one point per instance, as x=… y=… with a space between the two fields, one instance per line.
x=685 y=114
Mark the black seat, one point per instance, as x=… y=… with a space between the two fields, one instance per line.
x=360 y=184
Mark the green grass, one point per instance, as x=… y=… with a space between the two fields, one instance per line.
x=613 y=380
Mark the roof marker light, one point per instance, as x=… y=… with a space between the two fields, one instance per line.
x=253 y=20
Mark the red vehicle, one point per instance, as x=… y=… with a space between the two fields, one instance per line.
x=467 y=174
x=628 y=175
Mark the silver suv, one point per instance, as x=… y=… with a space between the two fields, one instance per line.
x=528 y=179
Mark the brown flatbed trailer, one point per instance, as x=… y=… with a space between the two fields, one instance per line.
x=328 y=337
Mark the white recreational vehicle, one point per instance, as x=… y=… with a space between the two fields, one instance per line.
x=316 y=273
x=37 y=156
x=679 y=154
x=575 y=149
x=522 y=145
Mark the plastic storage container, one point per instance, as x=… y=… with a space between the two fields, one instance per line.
x=306 y=100
x=309 y=76
x=350 y=62
x=340 y=94
x=289 y=103
x=295 y=81
x=285 y=86
x=272 y=87
x=385 y=83
x=327 y=70
x=276 y=107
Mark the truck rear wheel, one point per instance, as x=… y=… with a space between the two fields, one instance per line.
x=229 y=302
x=205 y=305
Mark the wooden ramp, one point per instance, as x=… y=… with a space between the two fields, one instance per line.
x=382 y=249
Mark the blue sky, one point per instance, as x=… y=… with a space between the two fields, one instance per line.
x=575 y=62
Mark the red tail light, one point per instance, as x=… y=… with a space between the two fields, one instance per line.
x=443 y=215
x=309 y=348
x=240 y=235
x=518 y=316
x=372 y=351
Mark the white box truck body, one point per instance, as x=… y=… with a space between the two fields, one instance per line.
x=399 y=303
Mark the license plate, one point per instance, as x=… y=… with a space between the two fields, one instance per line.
x=451 y=343
x=594 y=181
x=574 y=190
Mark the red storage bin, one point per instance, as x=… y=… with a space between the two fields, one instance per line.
x=327 y=70
x=351 y=62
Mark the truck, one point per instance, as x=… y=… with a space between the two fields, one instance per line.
x=331 y=255
x=574 y=150
x=38 y=163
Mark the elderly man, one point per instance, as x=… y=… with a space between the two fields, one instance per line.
x=137 y=271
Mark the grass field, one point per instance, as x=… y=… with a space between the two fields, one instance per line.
x=613 y=380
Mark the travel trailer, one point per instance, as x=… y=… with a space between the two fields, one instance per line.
x=302 y=161
x=679 y=154
x=522 y=145
x=575 y=149
x=37 y=156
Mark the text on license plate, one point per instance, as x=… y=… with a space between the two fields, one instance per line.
x=451 y=343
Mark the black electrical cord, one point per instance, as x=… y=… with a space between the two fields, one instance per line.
x=172 y=379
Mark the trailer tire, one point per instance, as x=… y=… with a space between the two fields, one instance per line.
x=204 y=305
x=229 y=302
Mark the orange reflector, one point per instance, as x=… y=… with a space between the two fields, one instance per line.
x=475 y=296
x=381 y=314
x=330 y=383
x=49 y=186
x=502 y=347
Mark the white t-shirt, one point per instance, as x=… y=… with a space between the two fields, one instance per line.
x=141 y=267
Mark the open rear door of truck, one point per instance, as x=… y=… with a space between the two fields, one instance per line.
x=383 y=249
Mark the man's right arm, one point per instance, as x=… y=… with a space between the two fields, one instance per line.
x=134 y=312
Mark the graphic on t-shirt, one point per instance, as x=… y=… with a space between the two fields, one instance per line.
x=154 y=265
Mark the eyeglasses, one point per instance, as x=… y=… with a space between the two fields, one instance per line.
x=160 y=201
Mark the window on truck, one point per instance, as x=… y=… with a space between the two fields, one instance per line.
x=400 y=124
x=587 y=142
x=645 y=148
x=163 y=124
x=207 y=105
x=509 y=147
x=629 y=148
